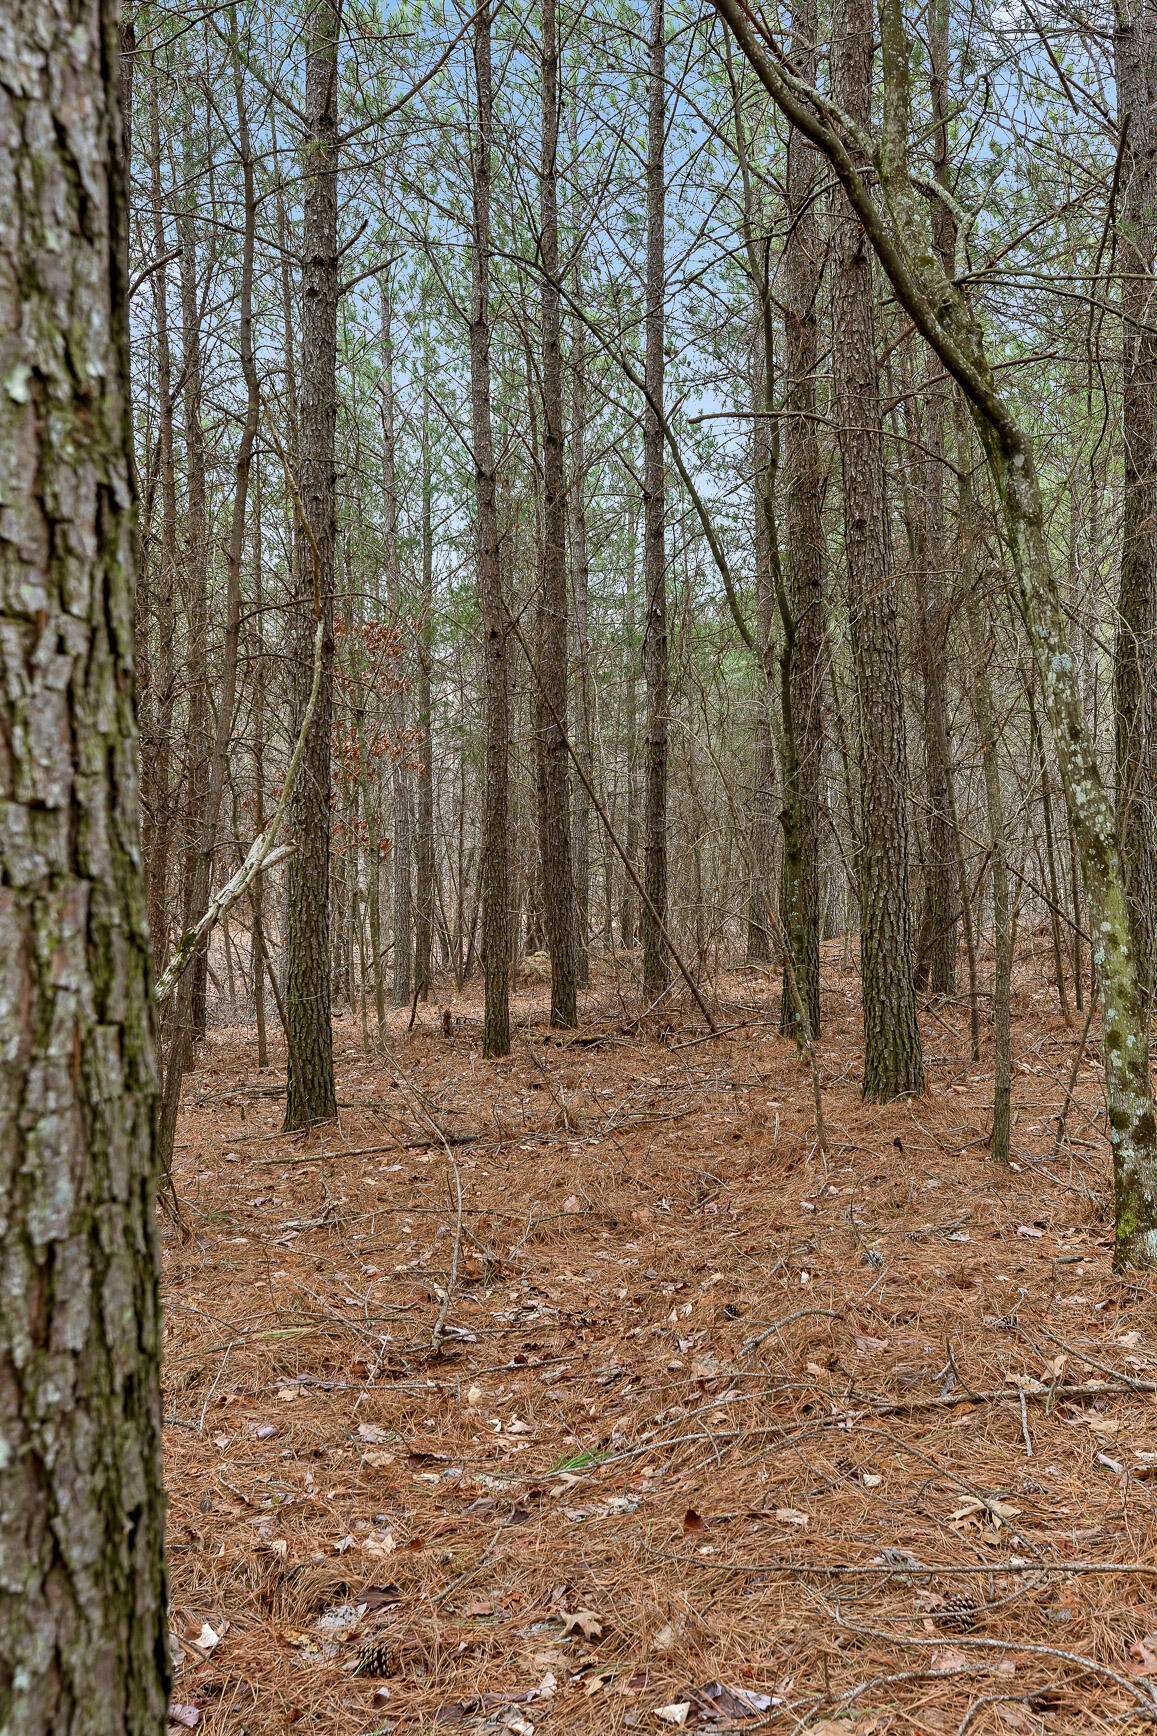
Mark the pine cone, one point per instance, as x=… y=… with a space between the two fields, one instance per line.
x=958 y=1614
x=374 y=1657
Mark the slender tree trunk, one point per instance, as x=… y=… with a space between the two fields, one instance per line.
x=805 y=481
x=186 y=1023
x=551 y=720
x=655 y=528
x=83 y=1642
x=986 y=724
x=936 y=956
x=310 y=1094
x=157 y=749
x=628 y=914
x=396 y=676
x=257 y=895
x=196 y=572
x=893 y=1064
x=495 y=631
x=424 y=892
x=1135 y=659
x=580 y=567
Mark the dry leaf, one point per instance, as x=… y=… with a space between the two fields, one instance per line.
x=583 y=1621
x=1029 y=1232
x=951 y=1658
x=207 y=1638
x=474 y=1396
x=665 y=1638
x=518 y=1427
x=676 y=1714
x=792 y=1516
x=187 y=1716
x=288 y=1394
x=377 y=1459
x=692 y=1522
x=1143 y=1656
x=572 y=1205
x=379 y=1543
x=374 y=1433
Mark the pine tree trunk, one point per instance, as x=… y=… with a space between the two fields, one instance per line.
x=805 y=485
x=1135 y=658
x=655 y=530
x=893 y=1064
x=424 y=891
x=495 y=632
x=83 y=1643
x=196 y=583
x=310 y=1093
x=395 y=675
x=580 y=564
x=157 y=744
x=551 y=720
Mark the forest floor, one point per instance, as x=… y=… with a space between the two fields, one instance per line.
x=579 y=1392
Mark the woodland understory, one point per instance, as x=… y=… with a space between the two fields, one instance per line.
x=581 y=1391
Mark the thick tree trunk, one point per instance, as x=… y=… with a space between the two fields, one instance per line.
x=892 y=1061
x=83 y=1646
x=310 y=1094
x=655 y=529
x=1135 y=659
x=495 y=629
x=551 y=719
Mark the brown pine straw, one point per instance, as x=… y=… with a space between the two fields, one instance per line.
x=607 y=1237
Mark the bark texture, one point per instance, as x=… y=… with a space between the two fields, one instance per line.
x=1135 y=660
x=495 y=633
x=805 y=485
x=551 y=720
x=83 y=1647
x=310 y=1094
x=655 y=531
x=892 y=1060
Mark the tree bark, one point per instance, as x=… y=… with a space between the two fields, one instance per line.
x=157 y=743
x=893 y=1064
x=495 y=629
x=805 y=486
x=186 y=1024
x=580 y=567
x=83 y=1644
x=198 y=746
x=310 y=1093
x=551 y=707
x=424 y=890
x=1135 y=657
x=395 y=675
x=655 y=528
